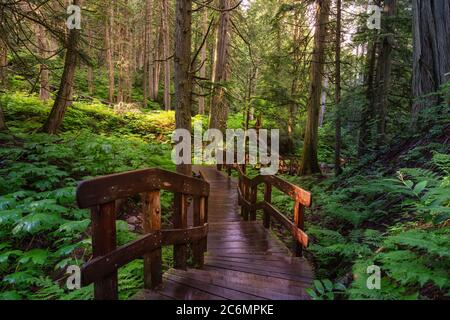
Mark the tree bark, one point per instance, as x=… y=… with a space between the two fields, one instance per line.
x=367 y=112
x=219 y=105
x=148 y=52
x=43 y=47
x=431 y=56
x=109 y=43
x=202 y=98
x=65 y=92
x=337 y=93
x=166 y=54
x=310 y=162
x=3 y=63
x=183 y=75
x=3 y=126
x=384 y=68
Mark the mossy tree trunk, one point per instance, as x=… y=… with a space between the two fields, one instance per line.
x=310 y=162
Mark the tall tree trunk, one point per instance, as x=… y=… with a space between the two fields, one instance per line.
x=3 y=63
x=431 y=57
x=364 y=130
x=148 y=52
x=90 y=69
x=310 y=162
x=183 y=76
x=157 y=61
x=337 y=93
x=202 y=98
x=384 y=67
x=65 y=92
x=43 y=48
x=219 y=105
x=109 y=43
x=323 y=103
x=166 y=54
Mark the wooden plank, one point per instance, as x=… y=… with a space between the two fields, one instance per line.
x=123 y=185
x=267 y=199
x=226 y=293
x=298 y=234
x=179 y=291
x=103 y=242
x=295 y=192
x=299 y=222
x=180 y=222
x=149 y=295
x=263 y=266
x=230 y=266
x=151 y=217
x=108 y=263
x=199 y=220
x=238 y=281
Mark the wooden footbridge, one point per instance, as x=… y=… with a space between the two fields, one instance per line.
x=231 y=255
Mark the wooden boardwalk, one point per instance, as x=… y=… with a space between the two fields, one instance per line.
x=243 y=261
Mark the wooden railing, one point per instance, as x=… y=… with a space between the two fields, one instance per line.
x=248 y=200
x=100 y=195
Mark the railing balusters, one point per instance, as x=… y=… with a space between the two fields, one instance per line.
x=268 y=199
x=299 y=221
x=180 y=253
x=199 y=220
x=253 y=199
x=104 y=241
x=151 y=216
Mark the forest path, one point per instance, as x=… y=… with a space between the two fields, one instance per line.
x=244 y=261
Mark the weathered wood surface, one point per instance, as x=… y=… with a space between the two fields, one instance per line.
x=243 y=262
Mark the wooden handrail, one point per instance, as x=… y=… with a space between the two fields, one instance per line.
x=247 y=194
x=105 y=189
x=100 y=194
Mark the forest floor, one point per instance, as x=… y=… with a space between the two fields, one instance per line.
x=393 y=216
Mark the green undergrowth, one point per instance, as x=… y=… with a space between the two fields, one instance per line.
x=42 y=231
x=398 y=222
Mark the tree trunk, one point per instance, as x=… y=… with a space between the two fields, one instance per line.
x=3 y=126
x=337 y=93
x=109 y=43
x=364 y=130
x=157 y=63
x=3 y=63
x=65 y=92
x=431 y=57
x=219 y=105
x=323 y=103
x=183 y=76
x=148 y=52
x=202 y=98
x=384 y=72
x=90 y=69
x=166 y=54
x=43 y=48
x=310 y=163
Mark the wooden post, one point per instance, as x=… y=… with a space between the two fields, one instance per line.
x=247 y=198
x=180 y=253
x=104 y=241
x=299 y=220
x=151 y=217
x=199 y=220
x=253 y=200
x=268 y=199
